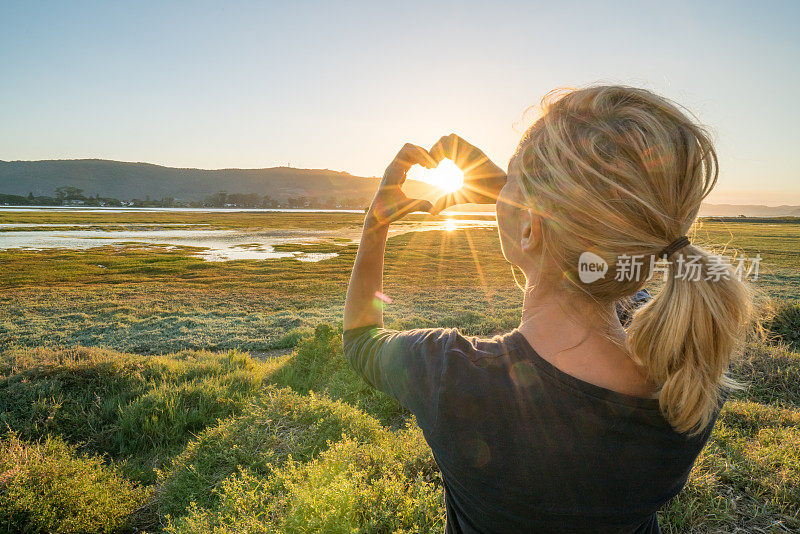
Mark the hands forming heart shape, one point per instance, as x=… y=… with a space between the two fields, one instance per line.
x=431 y=184
x=483 y=180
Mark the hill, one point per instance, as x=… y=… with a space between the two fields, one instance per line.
x=125 y=180
x=749 y=210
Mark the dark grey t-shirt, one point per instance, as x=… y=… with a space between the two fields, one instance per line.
x=522 y=445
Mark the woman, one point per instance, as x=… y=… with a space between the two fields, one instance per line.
x=569 y=423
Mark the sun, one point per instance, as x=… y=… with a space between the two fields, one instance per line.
x=447 y=176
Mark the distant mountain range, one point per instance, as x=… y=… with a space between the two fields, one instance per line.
x=125 y=181
x=748 y=210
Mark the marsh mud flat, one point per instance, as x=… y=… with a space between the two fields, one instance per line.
x=212 y=244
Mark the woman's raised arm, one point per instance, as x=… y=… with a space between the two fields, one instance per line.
x=363 y=306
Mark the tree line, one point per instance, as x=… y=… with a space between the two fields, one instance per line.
x=74 y=196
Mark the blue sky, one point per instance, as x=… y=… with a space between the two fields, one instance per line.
x=317 y=85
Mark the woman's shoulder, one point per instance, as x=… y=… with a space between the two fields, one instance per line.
x=497 y=344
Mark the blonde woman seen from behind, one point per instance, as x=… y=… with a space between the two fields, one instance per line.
x=570 y=422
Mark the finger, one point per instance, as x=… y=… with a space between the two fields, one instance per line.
x=421 y=205
x=444 y=148
x=411 y=205
x=457 y=149
x=411 y=155
x=443 y=203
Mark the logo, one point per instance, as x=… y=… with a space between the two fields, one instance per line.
x=689 y=267
x=591 y=267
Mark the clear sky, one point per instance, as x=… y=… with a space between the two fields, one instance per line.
x=318 y=85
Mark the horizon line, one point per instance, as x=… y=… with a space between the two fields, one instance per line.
x=339 y=172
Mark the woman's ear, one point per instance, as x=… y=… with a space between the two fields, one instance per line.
x=531 y=232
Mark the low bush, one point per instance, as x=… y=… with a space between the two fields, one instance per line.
x=770 y=373
x=49 y=487
x=318 y=364
x=127 y=407
x=279 y=425
x=747 y=476
x=783 y=323
x=388 y=485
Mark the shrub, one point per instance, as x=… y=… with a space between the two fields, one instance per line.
x=278 y=425
x=318 y=364
x=388 y=485
x=771 y=374
x=126 y=406
x=48 y=487
x=784 y=323
x=750 y=467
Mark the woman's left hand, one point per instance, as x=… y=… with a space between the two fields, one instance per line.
x=483 y=180
x=390 y=203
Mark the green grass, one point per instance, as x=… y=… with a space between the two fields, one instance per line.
x=784 y=323
x=161 y=219
x=47 y=486
x=147 y=299
x=133 y=409
x=289 y=457
x=278 y=426
x=319 y=365
x=160 y=392
x=388 y=485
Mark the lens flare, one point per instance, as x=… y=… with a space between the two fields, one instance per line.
x=447 y=176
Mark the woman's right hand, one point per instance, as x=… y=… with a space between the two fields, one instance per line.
x=390 y=202
x=483 y=180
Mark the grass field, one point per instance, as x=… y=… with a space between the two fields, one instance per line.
x=143 y=388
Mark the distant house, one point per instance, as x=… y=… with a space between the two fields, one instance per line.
x=74 y=203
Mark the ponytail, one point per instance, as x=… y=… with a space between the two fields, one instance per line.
x=686 y=335
x=620 y=172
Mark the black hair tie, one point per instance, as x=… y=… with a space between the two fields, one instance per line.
x=674 y=246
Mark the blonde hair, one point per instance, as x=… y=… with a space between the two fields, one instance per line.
x=619 y=171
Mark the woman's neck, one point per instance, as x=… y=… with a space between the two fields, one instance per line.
x=583 y=340
x=562 y=321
